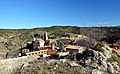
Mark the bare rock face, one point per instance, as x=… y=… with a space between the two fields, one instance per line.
x=95 y=71
x=116 y=67
x=94 y=65
x=7 y=66
x=97 y=61
x=108 y=48
x=102 y=55
x=107 y=51
x=104 y=64
x=110 y=68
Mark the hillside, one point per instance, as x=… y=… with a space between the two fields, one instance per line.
x=16 y=38
x=97 y=57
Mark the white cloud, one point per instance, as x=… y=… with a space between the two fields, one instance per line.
x=105 y=23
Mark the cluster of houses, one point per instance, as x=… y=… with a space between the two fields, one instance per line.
x=41 y=46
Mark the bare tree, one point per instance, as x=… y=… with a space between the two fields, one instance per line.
x=86 y=42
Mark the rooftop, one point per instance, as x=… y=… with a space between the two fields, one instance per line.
x=40 y=39
x=73 y=47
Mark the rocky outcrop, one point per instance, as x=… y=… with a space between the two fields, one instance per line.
x=98 y=62
x=110 y=68
x=116 y=67
x=7 y=66
x=107 y=51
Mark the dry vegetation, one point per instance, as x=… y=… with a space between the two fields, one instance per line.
x=21 y=36
x=45 y=67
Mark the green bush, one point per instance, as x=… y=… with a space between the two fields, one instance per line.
x=81 y=72
x=98 y=47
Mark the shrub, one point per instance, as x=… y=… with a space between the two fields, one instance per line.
x=81 y=72
x=86 y=42
x=99 y=46
x=114 y=58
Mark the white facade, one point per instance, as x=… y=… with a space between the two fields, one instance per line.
x=42 y=43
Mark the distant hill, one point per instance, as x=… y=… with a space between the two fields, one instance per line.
x=117 y=26
x=95 y=32
x=25 y=35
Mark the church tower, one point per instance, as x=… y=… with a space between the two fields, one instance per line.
x=45 y=36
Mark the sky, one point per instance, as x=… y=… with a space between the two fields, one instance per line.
x=16 y=14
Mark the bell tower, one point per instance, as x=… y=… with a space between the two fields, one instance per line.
x=45 y=36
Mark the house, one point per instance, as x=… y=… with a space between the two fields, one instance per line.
x=66 y=36
x=38 y=36
x=38 y=42
x=74 y=49
x=38 y=53
x=115 y=47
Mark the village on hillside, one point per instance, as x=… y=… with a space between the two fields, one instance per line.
x=45 y=46
x=67 y=53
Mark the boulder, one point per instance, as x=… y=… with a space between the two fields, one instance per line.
x=73 y=63
x=95 y=71
x=94 y=65
x=87 y=62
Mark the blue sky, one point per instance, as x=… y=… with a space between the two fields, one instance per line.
x=42 y=13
